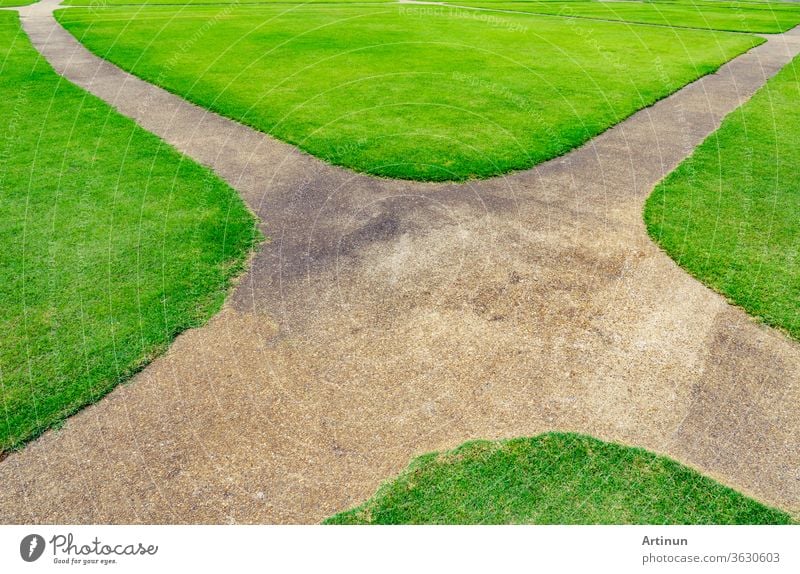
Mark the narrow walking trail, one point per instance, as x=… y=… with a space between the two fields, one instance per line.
x=384 y=319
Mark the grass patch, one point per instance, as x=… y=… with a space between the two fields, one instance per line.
x=113 y=243
x=412 y=92
x=555 y=478
x=730 y=213
x=16 y=2
x=192 y=2
x=732 y=16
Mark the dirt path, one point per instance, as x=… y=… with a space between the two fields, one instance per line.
x=386 y=319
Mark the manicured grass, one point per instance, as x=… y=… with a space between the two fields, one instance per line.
x=416 y=92
x=16 y=2
x=733 y=16
x=112 y=244
x=730 y=213
x=556 y=478
x=187 y=2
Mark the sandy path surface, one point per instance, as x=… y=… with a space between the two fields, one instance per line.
x=385 y=319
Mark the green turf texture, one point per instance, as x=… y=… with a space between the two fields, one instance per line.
x=732 y=16
x=730 y=213
x=427 y=93
x=555 y=478
x=16 y=2
x=113 y=243
x=101 y=3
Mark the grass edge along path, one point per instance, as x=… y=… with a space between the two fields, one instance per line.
x=729 y=214
x=554 y=478
x=114 y=243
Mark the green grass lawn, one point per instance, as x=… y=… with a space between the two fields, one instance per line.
x=413 y=92
x=730 y=214
x=186 y=2
x=16 y=2
x=555 y=478
x=112 y=244
x=733 y=16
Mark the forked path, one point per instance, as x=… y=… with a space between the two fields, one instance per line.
x=385 y=319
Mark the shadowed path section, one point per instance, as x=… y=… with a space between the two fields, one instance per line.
x=384 y=319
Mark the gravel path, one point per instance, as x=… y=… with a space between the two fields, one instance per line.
x=385 y=319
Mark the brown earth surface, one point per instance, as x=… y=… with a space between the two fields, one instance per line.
x=384 y=319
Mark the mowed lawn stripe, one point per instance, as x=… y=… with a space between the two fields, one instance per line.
x=113 y=243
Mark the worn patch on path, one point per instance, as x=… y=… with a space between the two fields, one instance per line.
x=385 y=319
